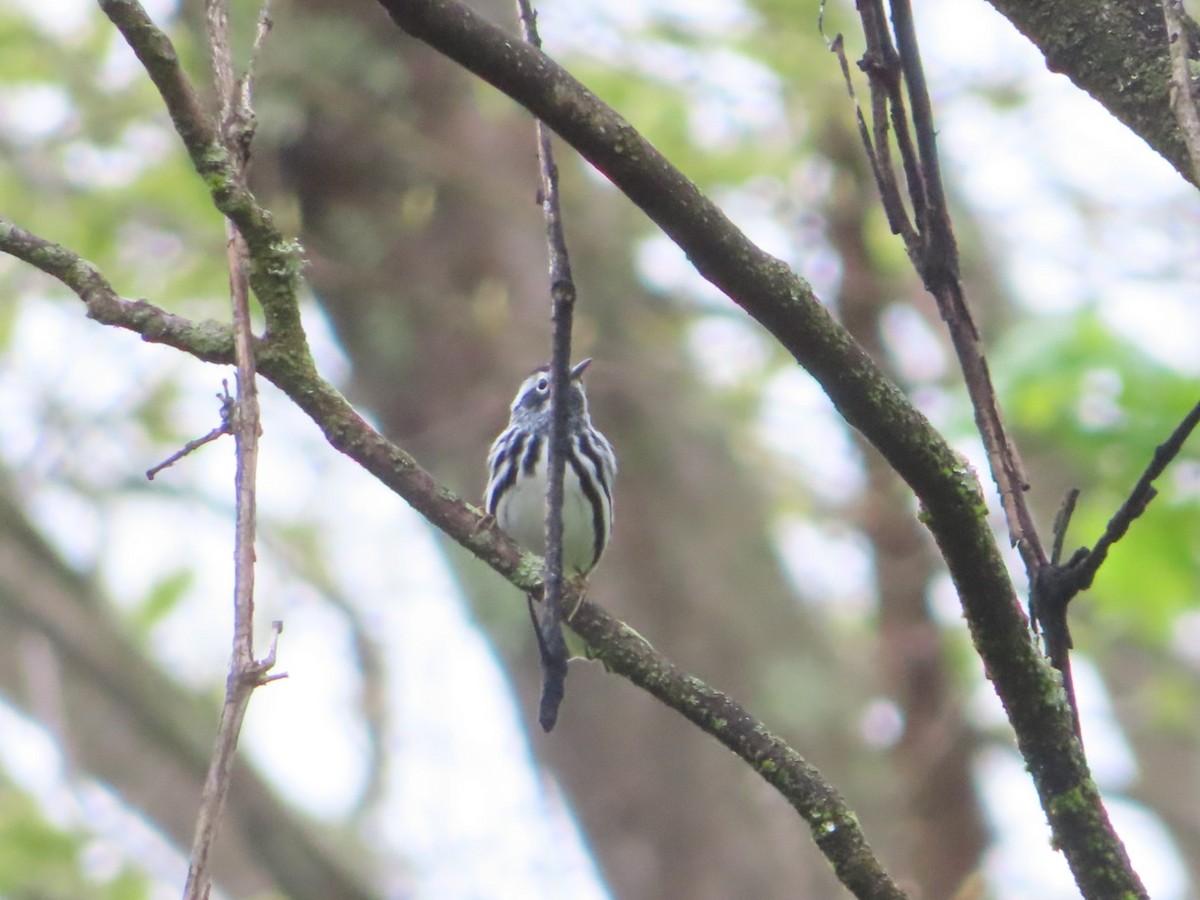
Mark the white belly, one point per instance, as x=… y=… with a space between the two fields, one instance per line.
x=522 y=513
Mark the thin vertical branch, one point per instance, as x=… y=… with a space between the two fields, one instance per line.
x=562 y=297
x=938 y=265
x=245 y=672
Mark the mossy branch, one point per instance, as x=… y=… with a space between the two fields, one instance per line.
x=952 y=504
x=275 y=262
x=834 y=825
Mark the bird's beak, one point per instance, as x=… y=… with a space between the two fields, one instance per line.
x=577 y=372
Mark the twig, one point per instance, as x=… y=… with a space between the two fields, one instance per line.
x=936 y=257
x=1056 y=584
x=367 y=654
x=931 y=244
x=554 y=659
x=882 y=67
x=1141 y=495
x=551 y=645
x=1062 y=521
x=879 y=159
x=245 y=672
x=1182 y=93
x=933 y=250
x=834 y=826
x=228 y=405
x=1051 y=590
x=938 y=267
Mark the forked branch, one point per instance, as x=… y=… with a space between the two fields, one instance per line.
x=834 y=826
x=769 y=291
x=784 y=304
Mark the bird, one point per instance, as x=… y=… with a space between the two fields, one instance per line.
x=518 y=469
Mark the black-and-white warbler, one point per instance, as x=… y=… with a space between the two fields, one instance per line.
x=518 y=466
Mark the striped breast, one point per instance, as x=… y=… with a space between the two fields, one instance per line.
x=516 y=494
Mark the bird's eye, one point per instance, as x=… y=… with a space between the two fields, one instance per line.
x=543 y=383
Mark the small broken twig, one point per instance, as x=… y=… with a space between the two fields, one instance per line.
x=1141 y=495
x=228 y=406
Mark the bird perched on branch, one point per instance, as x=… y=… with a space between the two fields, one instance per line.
x=519 y=465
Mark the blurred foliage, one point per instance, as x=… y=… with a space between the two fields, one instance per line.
x=90 y=161
x=162 y=599
x=1096 y=403
x=40 y=861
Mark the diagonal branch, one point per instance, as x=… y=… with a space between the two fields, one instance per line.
x=952 y=505
x=834 y=826
x=1183 y=92
x=934 y=251
x=1115 y=51
x=274 y=261
x=1139 y=498
x=1058 y=583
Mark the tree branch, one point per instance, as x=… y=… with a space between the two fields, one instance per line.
x=934 y=252
x=552 y=645
x=245 y=671
x=228 y=404
x=1116 y=51
x=1058 y=583
x=1182 y=92
x=274 y=262
x=834 y=829
x=623 y=650
x=208 y=341
x=953 y=508
x=1139 y=498
x=932 y=248
x=952 y=505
